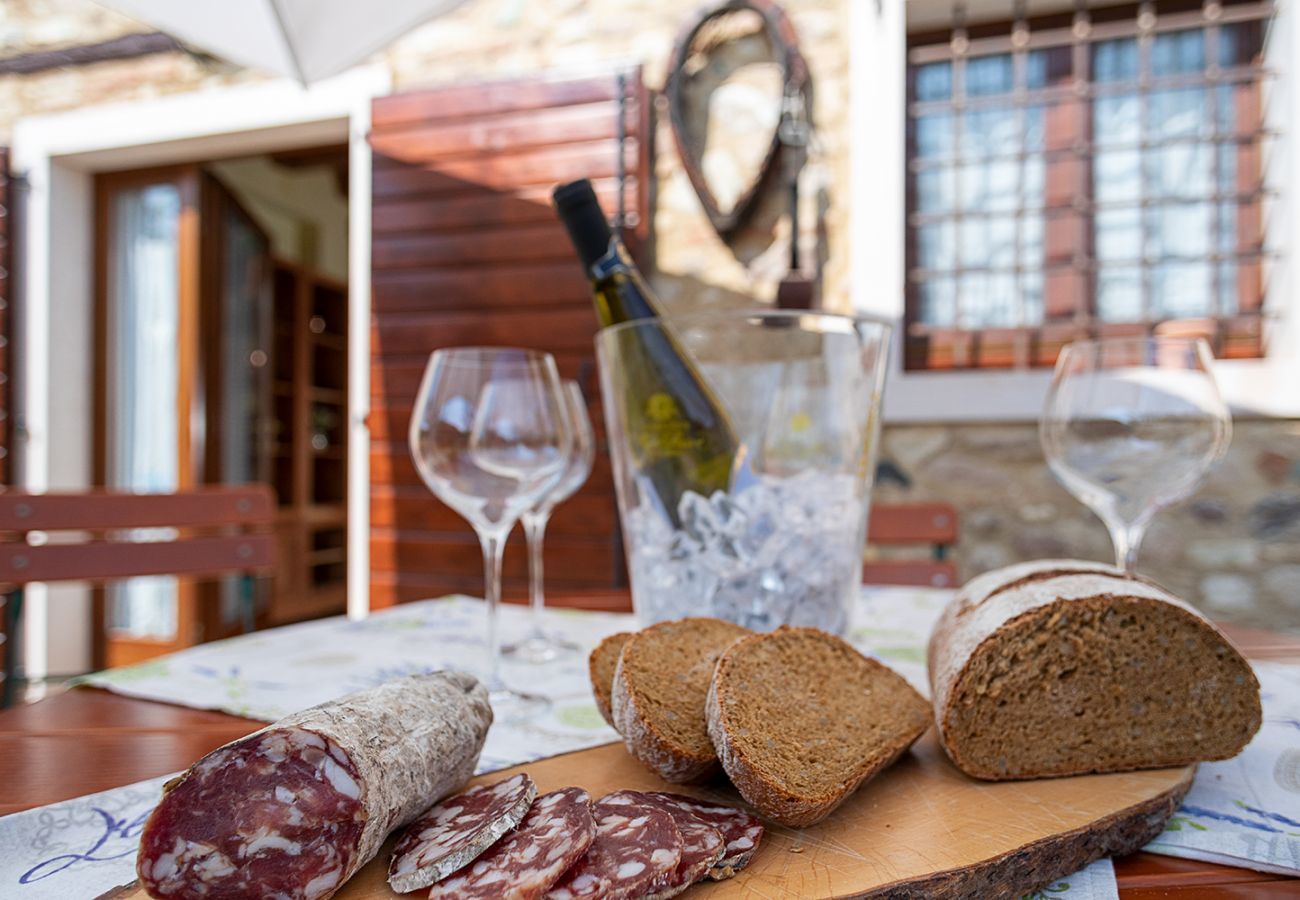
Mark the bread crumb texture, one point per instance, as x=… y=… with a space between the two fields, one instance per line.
x=800 y=719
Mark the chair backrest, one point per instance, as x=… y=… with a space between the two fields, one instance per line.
x=88 y=534
x=932 y=524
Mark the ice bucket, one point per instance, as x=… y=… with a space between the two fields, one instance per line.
x=761 y=519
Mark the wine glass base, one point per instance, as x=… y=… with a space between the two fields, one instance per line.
x=540 y=648
x=516 y=706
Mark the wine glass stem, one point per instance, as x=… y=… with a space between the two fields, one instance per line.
x=1127 y=538
x=493 y=549
x=535 y=531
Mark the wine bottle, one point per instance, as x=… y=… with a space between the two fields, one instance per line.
x=678 y=431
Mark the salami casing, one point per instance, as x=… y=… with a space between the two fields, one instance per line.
x=453 y=833
x=702 y=844
x=741 y=830
x=554 y=835
x=636 y=848
x=293 y=810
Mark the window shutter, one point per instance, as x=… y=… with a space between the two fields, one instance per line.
x=466 y=250
x=7 y=282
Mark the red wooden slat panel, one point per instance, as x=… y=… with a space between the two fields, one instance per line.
x=475 y=287
x=588 y=561
x=404 y=178
x=414 y=508
x=529 y=205
x=925 y=573
x=468 y=251
x=396 y=379
x=100 y=510
x=544 y=242
x=567 y=328
x=108 y=561
x=469 y=101
x=912 y=523
x=506 y=132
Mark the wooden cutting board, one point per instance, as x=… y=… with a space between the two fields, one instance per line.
x=920 y=829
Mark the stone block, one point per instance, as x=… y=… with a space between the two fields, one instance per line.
x=911 y=446
x=1282 y=584
x=1228 y=593
x=1222 y=553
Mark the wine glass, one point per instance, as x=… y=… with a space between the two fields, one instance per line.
x=539 y=646
x=490 y=435
x=1132 y=425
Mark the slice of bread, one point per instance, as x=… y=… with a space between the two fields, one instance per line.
x=1084 y=672
x=658 y=694
x=601 y=664
x=800 y=719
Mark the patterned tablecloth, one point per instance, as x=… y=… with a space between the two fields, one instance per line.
x=1243 y=812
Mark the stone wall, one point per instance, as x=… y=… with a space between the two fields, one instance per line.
x=30 y=26
x=493 y=39
x=1233 y=549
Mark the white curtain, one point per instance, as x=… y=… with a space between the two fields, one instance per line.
x=142 y=371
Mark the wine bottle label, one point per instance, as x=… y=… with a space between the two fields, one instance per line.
x=665 y=431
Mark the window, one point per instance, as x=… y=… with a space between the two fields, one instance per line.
x=1095 y=173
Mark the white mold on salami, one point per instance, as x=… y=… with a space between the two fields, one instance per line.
x=742 y=831
x=637 y=849
x=525 y=863
x=294 y=810
x=453 y=833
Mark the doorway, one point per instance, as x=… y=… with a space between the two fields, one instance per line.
x=221 y=358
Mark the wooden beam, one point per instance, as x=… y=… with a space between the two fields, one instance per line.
x=126 y=47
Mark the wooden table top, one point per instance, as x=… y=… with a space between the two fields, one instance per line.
x=86 y=740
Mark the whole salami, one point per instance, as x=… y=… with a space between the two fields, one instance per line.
x=522 y=865
x=293 y=810
x=636 y=848
x=453 y=833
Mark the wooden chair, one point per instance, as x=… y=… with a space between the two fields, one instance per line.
x=934 y=524
x=220 y=531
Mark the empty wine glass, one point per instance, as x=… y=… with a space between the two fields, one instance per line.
x=1132 y=425
x=539 y=646
x=490 y=435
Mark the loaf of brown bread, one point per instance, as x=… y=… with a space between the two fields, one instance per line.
x=1061 y=667
x=658 y=694
x=800 y=720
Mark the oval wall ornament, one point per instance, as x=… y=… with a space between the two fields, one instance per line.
x=796 y=83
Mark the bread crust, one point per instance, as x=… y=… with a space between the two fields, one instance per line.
x=772 y=800
x=653 y=747
x=602 y=689
x=993 y=604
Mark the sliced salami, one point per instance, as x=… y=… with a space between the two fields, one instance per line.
x=637 y=847
x=741 y=830
x=453 y=833
x=702 y=844
x=293 y=810
x=557 y=831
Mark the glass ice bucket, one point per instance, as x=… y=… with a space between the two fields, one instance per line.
x=768 y=530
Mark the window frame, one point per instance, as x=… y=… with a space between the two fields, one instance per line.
x=1240 y=335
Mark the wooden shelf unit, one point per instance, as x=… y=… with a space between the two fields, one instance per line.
x=309 y=454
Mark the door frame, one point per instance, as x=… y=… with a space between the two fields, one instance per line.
x=58 y=154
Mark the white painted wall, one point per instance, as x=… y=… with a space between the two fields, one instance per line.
x=1267 y=387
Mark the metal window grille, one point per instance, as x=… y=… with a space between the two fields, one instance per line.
x=1093 y=173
